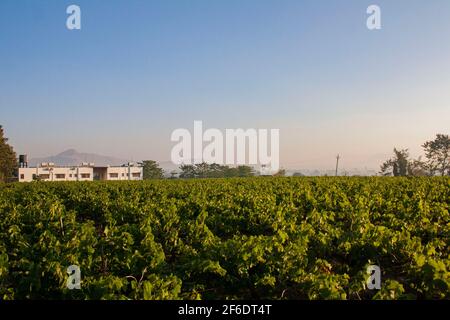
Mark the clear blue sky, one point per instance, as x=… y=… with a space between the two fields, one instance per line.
x=137 y=70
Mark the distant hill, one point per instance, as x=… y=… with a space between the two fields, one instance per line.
x=72 y=157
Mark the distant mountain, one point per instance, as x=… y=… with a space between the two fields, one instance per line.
x=72 y=157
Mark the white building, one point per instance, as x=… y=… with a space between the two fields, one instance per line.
x=84 y=172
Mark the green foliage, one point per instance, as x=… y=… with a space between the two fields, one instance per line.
x=255 y=238
x=8 y=161
x=151 y=170
x=398 y=166
x=437 y=153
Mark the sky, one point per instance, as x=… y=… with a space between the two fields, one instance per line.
x=137 y=70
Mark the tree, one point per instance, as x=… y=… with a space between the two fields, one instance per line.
x=437 y=153
x=187 y=171
x=216 y=171
x=202 y=170
x=8 y=160
x=152 y=170
x=245 y=171
x=418 y=168
x=397 y=166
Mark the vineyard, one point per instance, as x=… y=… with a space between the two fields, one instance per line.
x=252 y=238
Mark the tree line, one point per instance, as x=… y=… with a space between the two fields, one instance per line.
x=151 y=170
x=205 y=170
x=8 y=160
x=436 y=162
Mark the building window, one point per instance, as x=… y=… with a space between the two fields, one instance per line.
x=22 y=176
x=113 y=175
x=136 y=174
x=44 y=176
x=60 y=176
x=123 y=174
x=85 y=175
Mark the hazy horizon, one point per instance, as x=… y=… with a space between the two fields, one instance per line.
x=137 y=70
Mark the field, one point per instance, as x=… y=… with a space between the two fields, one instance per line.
x=252 y=238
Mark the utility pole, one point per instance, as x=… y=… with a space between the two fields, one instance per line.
x=337 y=164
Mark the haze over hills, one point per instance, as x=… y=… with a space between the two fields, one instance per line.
x=72 y=157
